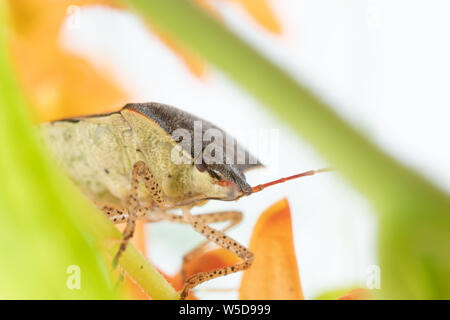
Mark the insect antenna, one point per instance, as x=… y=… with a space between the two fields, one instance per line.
x=295 y=176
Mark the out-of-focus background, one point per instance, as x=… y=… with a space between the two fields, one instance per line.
x=383 y=65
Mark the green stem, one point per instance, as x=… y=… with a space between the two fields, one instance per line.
x=132 y=261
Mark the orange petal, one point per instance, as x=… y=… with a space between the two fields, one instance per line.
x=262 y=13
x=133 y=290
x=60 y=84
x=140 y=237
x=214 y=259
x=57 y=83
x=207 y=261
x=274 y=273
x=206 y=4
x=177 y=282
x=357 y=294
x=259 y=10
x=192 y=61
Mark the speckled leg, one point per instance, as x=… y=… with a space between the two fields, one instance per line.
x=199 y=222
x=140 y=170
x=118 y=215
x=233 y=216
x=133 y=205
x=115 y=214
x=222 y=240
x=157 y=215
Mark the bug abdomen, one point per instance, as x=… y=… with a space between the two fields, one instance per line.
x=97 y=154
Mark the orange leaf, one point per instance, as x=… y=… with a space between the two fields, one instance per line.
x=262 y=13
x=274 y=273
x=140 y=237
x=357 y=294
x=210 y=260
x=133 y=290
x=177 y=282
x=192 y=61
x=62 y=85
x=59 y=84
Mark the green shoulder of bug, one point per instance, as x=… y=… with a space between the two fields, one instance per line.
x=191 y=159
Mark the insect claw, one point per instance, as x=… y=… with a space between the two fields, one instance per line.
x=115 y=262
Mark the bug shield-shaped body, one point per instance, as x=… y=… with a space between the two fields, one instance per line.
x=98 y=152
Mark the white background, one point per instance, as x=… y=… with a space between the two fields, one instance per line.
x=383 y=65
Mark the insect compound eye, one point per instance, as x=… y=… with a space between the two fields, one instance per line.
x=201 y=167
x=224 y=183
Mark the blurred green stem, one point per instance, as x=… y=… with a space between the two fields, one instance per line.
x=411 y=209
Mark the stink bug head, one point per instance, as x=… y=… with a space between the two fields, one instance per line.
x=198 y=182
x=220 y=181
x=210 y=185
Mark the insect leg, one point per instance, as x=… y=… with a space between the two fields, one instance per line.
x=225 y=242
x=233 y=216
x=150 y=215
x=115 y=214
x=118 y=215
x=145 y=213
x=133 y=205
x=140 y=170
